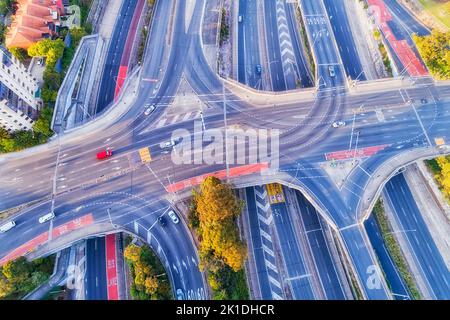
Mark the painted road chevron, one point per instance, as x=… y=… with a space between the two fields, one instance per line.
x=287 y=51
x=265 y=219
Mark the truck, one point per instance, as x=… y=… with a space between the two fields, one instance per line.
x=104 y=154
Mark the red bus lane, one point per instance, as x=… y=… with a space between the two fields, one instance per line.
x=222 y=174
x=124 y=63
x=401 y=48
x=360 y=153
x=43 y=237
x=111 y=267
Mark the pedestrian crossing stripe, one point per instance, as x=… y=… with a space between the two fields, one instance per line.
x=275 y=192
x=144 y=153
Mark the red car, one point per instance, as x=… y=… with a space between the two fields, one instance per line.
x=104 y=154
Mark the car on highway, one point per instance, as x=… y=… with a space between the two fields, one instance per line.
x=149 y=109
x=258 y=69
x=180 y=294
x=331 y=71
x=241 y=18
x=47 y=217
x=173 y=216
x=104 y=154
x=7 y=226
x=162 y=221
x=167 y=144
x=338 y=124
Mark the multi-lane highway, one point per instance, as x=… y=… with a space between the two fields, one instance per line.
x=344 y=38
x=287 y=66
x=116 y=49
x=391 y=122
x=426 y=256
x=393 y=277
x=95 y=278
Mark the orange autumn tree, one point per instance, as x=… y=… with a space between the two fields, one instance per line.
x=217 y=208
x=144 y=278
x=444 y=176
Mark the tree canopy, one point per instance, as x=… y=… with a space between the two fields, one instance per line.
x=51 y=49
x=20 y=276
x=444 y=176
x=217 y=209
x=435 y=52
x=144 y=269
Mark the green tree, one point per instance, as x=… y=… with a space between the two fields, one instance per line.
x=8 y=145
x=133 y=253
x=24 y=139
x=6 y=287
x=7 y=7
x=19 y=53
x=435 y=51
x=42 y=124
x=51 y=49
x=77 y=34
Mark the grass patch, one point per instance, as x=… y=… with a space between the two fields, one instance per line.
x=386 y=60
x=305 y=41
x=394 y=249
x=224 y=28
x=440 y=10
x=145 y=30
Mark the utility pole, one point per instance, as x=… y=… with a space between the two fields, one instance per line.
x=52 y=210
x=226 y=130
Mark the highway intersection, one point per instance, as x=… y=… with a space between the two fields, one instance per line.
x=399 y=118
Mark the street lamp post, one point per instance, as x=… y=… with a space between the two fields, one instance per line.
x=110 y=219
x=226 y=129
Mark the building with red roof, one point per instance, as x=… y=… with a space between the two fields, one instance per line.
x=34 y=20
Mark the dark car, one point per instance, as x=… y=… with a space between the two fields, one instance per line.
x=258 y=69
x=162 y=221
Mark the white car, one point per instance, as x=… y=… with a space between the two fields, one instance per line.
x=47 y=217
x=331 y=71
x=149 y=109
x=180 y=294
x=7 y=226
x=240 y=18
x=338 y=124
x=173 y=216
x=167 y=144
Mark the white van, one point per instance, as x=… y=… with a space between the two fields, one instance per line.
x=173 y=216
x=47 y=217
x=7 y=226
